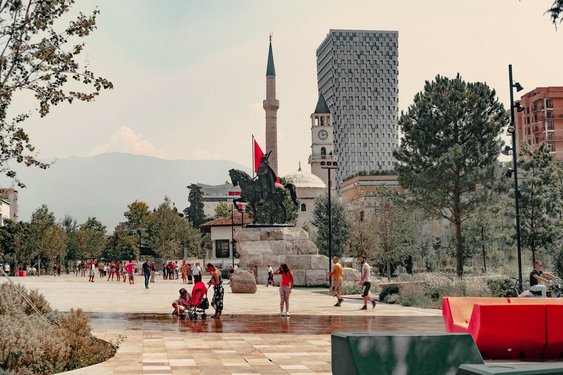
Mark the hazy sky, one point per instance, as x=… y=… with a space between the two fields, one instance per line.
x=189 y=76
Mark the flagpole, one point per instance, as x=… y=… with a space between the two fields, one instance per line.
x=252 y=156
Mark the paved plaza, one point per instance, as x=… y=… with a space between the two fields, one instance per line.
x=250 y=337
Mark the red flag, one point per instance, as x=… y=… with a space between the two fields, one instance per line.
x=258 y=153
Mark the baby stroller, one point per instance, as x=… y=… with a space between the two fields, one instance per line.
x=198 y=302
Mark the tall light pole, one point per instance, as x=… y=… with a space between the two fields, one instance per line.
x=329 y=165
x=512 y=130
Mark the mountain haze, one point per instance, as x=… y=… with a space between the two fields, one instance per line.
x=102 y=186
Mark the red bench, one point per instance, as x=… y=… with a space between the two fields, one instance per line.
x=508 y=327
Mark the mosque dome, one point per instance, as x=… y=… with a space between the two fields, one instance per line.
x=305 y=180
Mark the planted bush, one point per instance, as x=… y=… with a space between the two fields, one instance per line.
x=388 y=290
x=48 y=343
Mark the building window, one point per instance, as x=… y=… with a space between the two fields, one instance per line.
x=303 y=207
x=323 y=153
x=222 y=249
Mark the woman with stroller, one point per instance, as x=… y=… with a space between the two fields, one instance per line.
x=217 y=282
x=285 y=287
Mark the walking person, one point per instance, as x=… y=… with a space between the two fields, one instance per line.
x=130 y=268
x=365 y=282
x=176 y=270
x=153 y=271
x=270 y=276
x=184 y=271
x=336 y=281
x=147 y=272
x=189 y=272
x=164 y=270
x=91 y=270
x=285 y=288
x=217 y=282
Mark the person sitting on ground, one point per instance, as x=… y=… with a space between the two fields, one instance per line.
x=538 y=275
x=181 y=303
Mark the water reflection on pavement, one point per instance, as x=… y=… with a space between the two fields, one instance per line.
x=296 y=324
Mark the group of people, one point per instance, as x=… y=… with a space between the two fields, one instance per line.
x=30 y=270
x=118 y=270
x=189 y=273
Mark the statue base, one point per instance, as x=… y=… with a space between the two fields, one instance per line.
x=260 y=246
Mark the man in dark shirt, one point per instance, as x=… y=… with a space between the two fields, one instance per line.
x=538 y=275
x=147 y=272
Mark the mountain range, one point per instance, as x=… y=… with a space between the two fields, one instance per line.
x=102 y=186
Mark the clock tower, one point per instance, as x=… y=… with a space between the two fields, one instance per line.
x=322 y=146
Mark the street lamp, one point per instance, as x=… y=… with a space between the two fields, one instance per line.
x=512 y=131
x=329 y=165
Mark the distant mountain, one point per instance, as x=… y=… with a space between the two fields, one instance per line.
x=102 y=186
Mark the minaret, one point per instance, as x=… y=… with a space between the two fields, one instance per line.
x=271 y=105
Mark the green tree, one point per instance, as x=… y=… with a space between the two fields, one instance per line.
x=450 y=144
x=70 y=227
x=223 y=209
x=121 y=245
x=555 y=12
x=170 y=234
x=38 y=59
x=339 y=225
x=194 y=212
x=42 y=220
x=14 y=244
x=53 y=244
x=540 y=200
x=138 y=218
x=92 y=238
x=392 y=229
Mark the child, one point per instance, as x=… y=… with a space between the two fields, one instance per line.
x=181 y=303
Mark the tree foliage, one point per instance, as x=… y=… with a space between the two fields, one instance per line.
x=447 y=157
x=339 y=225
x=121 y=245
x=555 y=12
x=541 y=200
x=91 y=238
x=39 y=58
x=170 y=234
x=194 y=212
x=223 y=209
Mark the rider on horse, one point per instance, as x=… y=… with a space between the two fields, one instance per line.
x=266 y=177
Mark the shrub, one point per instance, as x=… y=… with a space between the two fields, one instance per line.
x=392 y=298
x=414 y=295
x=500 y=287
x=388 y=289
x=350 y=288
x=31 y=345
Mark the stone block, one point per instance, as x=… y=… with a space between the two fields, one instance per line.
x=243 y=282
x=298 y=262
x=273 y=260
x=250 y=261
x=299 y=277
x=271 y=234
x=350 y=274
x=319 y=262
x=293 y=234
x=280 y=247
x=304 y=247
x=245 y=248
x=247 y=234
x=316 y=278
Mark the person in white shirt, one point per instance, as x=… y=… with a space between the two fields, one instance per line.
x=7 y=269
x=365 y=282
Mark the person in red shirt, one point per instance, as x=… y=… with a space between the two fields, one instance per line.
x=130 y=267
x=285 y=287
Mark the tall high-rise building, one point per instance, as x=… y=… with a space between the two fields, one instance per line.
x=271 y=105
x=542 y=119
x=357 y=74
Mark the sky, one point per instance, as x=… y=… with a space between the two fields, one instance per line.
x=189 y=76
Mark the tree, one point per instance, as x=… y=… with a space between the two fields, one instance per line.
x=92 y=238
x=41 y=221
x=194 y=212
x=223 y=209
x=53 y=244
x=541 y=199
x=555 y=12
x=170 y=234
x=339 y=223
x=70 y=227
x=38 y=59
x=138 y=218
x=392 y=229
x=450 y=144
x=121 y=245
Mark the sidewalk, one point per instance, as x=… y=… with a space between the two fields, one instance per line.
x=167 y=346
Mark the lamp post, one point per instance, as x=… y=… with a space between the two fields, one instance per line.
x=233 y=232
x=329 y=165
x=512 y=130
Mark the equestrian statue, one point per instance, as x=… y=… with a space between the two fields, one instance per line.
x=263 y=190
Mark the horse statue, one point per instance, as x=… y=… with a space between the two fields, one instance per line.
x=252 y=192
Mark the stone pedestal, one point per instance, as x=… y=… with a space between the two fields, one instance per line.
x=260 y=246
x=243 y=281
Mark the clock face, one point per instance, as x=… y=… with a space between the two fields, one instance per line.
x=323 y=134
